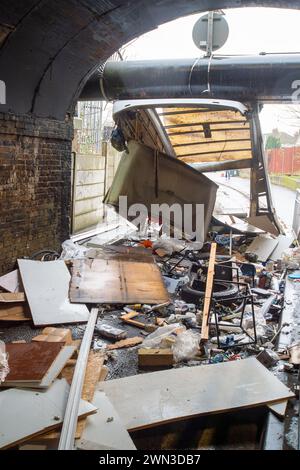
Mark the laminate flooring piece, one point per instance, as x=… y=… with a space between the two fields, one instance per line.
x=26 y=362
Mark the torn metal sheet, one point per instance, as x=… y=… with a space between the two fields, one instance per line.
x=46 y=286
x=150 y=177
x=118 y=278
x=176 y=394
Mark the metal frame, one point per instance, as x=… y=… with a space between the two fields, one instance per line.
x=126 y=105
x=244 y=298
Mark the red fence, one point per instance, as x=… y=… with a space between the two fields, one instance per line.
x=285 y=161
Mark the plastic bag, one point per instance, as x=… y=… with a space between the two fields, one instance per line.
x=186 y=346
x=154 y=339
x=71 y=250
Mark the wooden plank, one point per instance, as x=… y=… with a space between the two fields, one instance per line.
x=28 y=413
x=177 y=394
x=127 y=318
x=126 y=343
x=46 y=286
x=55 y=335
x=104 y=430
x=208 y=292
x=118 y=278
x=7 y=297
x=155 y=357
x=15 y=312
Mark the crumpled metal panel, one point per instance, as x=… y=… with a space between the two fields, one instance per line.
x=145 y=180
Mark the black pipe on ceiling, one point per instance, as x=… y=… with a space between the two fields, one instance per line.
x=263 y=78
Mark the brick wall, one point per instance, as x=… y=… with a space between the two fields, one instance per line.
x=35 y=186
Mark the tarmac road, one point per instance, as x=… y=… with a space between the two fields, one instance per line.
x=283 y=198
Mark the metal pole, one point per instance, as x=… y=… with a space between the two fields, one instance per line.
x=210 y=30
x=67 y=436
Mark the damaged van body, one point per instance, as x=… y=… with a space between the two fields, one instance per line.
x=170 y=144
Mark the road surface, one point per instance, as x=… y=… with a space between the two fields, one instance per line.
x=283 y=198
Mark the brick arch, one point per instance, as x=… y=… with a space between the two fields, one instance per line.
x=49 y=48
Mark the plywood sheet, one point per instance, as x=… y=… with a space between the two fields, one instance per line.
x=46 y=286
x=118 y=278
x=175 y=394
x=27 y=413
x=30 y=361
x=105 y=430
x=216 y=135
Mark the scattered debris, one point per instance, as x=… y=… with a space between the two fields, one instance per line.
x=108 y=331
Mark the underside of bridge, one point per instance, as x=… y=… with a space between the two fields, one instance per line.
x=48 y=50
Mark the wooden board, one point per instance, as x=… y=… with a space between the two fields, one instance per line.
x=28 y=413
x=14 y=312
x=104 y=430
x=9 y=297
x=208 y=292
x=177 y=394
x=46 y=286
x=126 y=343
x=58 y=364
x=118 y=278
x=29 y=362
x=155 y=357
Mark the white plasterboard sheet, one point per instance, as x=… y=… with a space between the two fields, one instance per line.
x=11 y=282
x=26 y=413
x=284 y=242
x=262 y=247
x=46 y=286
x=104 y=429
x=176 y=394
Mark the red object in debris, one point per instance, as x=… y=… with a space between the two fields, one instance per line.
x=146 y=243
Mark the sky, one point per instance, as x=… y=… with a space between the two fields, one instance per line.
x=251 y=31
